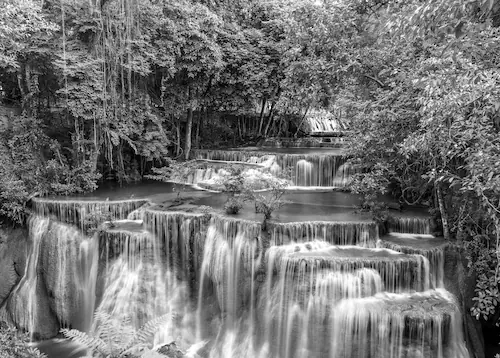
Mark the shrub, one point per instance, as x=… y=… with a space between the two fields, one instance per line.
x=233 y=205
x=15 y=344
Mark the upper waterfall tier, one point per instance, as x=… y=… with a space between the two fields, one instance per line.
x=317 y=169
x=410 y=224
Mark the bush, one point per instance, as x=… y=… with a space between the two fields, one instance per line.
x=233 y=205
x=271 y=201
x=15 y=344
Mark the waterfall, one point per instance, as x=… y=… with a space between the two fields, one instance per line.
x=60 y=279
x=317 y=170
x=232 y=255
x=305 y=289
x=79 y=211
x=139 y=286
x=397 y=325
x=181 y=237
x=414 y=225
x=304 y=173
x=398 y=272
x=22 y=303
x=324 y=124
x=435 y=255
x=337 y=233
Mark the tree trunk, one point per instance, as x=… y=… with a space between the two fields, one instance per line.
x=238 y=121
x=271 y=113
x=189 y=128
x=200 y=114
x=301 y=122
x=261 y=118
x=178 y=143
x=442 y=210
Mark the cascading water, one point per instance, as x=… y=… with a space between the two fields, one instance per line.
x=422 y=324
x=78 y=212
x=427 y=245
x=413 y=225
x=232 y=255
x=312 y=289
x=324 y=125
x=337 y=233
x=139 y=285
x=22 y=304
x=304 y=173
x=59 y=278
x=308 y=170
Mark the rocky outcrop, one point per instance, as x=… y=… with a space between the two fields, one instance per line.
x=59 y=258
x=13 y=254
x=461 y=284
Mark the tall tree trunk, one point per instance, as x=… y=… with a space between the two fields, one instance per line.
x=442 y=210
x=178 y=141
x=189 y=128
x=239 y=127
x=200 y=117
x=301 y=122
x=271 y=113
x=261 y=118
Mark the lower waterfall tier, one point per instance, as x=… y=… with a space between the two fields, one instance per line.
x=247 y=292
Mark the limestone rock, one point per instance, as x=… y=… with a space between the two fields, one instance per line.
x=461 y=284
x=13 y=253
x=59 y=268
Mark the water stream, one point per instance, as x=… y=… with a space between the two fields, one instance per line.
x=301 y=288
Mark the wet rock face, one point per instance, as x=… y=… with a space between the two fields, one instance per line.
x=58 y=259
x=171 y=351
x=461 y=283
x=13 y=253
x=15 y=248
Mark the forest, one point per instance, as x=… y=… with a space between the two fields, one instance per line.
x=102 y=90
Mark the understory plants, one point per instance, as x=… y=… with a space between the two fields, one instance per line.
x=116 y=338
x=16 y=344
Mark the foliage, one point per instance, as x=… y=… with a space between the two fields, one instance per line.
x=233 y=205
x=175 y=171
x=207 y=212
x=424 y=114
x=482 y=260
x=268 y=202
x=232 y=183
x=116 y=338
x=16 y=344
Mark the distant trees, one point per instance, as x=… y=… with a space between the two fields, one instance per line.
x=424 y=106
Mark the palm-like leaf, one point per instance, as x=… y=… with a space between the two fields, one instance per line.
x=90 y=342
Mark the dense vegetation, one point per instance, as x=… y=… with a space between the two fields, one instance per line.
x=107 y=89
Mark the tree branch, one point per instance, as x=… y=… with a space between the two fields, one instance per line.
x=380 y=83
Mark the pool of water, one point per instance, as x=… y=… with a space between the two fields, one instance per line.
x=418 y=241
x=60 y=348
x=156 y=191
x=300 y=206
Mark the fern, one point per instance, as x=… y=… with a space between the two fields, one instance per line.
x=149 y=329
x=116 y=337
x=94 y=344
